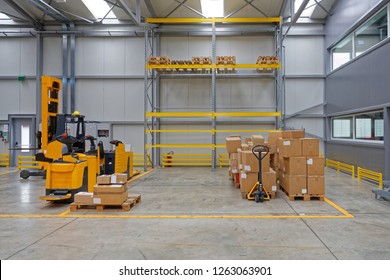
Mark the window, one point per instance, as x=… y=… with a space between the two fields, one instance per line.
x=371 y=33
x=369 y=126
x=361 y=39
x=342 y=128
x=342 y=52
x=361 y=127
x=25 y=138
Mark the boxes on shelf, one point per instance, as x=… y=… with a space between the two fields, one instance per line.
x=310 y=147
x=315 y=166
x=295 y=165
x=316 y=185
x=247 y=181
x=232 y=144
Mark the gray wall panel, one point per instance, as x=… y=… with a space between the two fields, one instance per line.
x=9 y=57
x=113 y=98
x=134 y=100
x=114 y=56
x=52 y=56
x=130 y=134
x=27 y=97
x=366 y=157
x=28 y=56
x=90 y=99
x=9 y=96
x=89 y=56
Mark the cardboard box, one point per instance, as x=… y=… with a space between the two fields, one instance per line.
x=244 y=147
x=103 y=179
x=272 y=149
x=84 y=198
x=247 y=181
x=269 y=181
x=233 y=164
x=295 y=166
x=273 y=137
x=240 y=160
x=316 y=185
x=233 y=156
x=119 y=178
x=109 y=189
x=234 y=136
x=247 y=140
x=295 y=184
x=293 y=134
x=232 y=144
x=315 y=166
x=251 y=164
x=110 y=199
x=310 y=147
x=257 y=140
x=289 y=147
x=274 y=161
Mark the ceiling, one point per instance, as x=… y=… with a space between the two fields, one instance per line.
x=39 y=13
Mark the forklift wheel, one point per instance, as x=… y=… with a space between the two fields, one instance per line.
x=257 y=198
x=24 y=174
x=261 y=198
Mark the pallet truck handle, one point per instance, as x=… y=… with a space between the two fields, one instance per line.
x=260 y=149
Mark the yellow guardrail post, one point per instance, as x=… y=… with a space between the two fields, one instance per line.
x=28 y=162
x=4 y=160
x=372 y=175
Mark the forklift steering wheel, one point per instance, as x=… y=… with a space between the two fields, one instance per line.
x=260 y=149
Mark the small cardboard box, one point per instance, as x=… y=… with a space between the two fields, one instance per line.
x=269 y=181
x=247 y=181
x=316 y=185
x=293 y=134
x=247 y=140
x=257 y=140
x=289 y=147
x=295 y=184
x=119 y=178
x=233 y=156
x=315 y=166
x=110 y=199
x=273 y=137
x=232 y=144
x=103 y=179
x=310 y=147
x=109 y=189
x=251 y=164
x=84 y=198
x=244 y=147
x=295 y=166
x=272 y=149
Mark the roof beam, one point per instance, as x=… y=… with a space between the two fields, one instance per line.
x=23 y=13
x=54 y=13
x=150 y=8
x=296 y=17
x=283 y=8
x=239 y=9
x=257 y=9
x=177 y=7
x=190 y=8
x=134 y=18
x=322 y=7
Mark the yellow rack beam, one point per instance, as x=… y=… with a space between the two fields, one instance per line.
x=238 y=66
x=214 y=20
x=212 y=114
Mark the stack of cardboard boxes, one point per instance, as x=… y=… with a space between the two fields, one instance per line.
x=244 y=166
x=293 y=163
x=109 y=190
x=300 y=168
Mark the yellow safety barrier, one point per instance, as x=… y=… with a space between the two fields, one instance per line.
x=340 y=166
x=223 y=160
x=139 y=160
x=27 y=162
x=371 y=175
x=4 y=160
x=211 y=114
x=186 y=160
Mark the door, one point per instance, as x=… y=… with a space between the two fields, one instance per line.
x=22 y=139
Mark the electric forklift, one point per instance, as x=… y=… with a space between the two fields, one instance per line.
x=258 y=193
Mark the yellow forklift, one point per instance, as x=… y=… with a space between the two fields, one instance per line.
x=68 y=168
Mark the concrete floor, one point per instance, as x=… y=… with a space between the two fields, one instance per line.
x=186 y=213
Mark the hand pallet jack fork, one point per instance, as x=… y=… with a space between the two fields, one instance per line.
x=258 y=193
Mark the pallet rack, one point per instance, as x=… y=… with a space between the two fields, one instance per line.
x=153 y=74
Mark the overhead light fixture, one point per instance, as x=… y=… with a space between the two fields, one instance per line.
x=99 y=8
x=3 y=16
x=212 y=8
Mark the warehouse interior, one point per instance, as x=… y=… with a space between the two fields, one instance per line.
x=186 y=98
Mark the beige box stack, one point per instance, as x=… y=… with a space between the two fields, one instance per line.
x=111 y=189
x=314 y=167
x=233 y=147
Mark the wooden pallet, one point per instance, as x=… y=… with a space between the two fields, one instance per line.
x=125 y=206
x=304 y=197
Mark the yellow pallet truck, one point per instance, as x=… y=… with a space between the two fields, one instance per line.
x=258 y=193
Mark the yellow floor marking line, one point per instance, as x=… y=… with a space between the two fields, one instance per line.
x=65 y=213
x=9 y=172
x=345 y=215
x=141 y=175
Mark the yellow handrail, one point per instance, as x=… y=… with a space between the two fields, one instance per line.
x=223 y=160
x=4 y=160
x=138 y=160
x=341 y=166
x=28 y=162
x=168 y=160
x=371 y=175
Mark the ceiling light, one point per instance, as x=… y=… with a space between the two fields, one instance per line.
x=3 y=16
x=212 y=8
x=99 y=8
